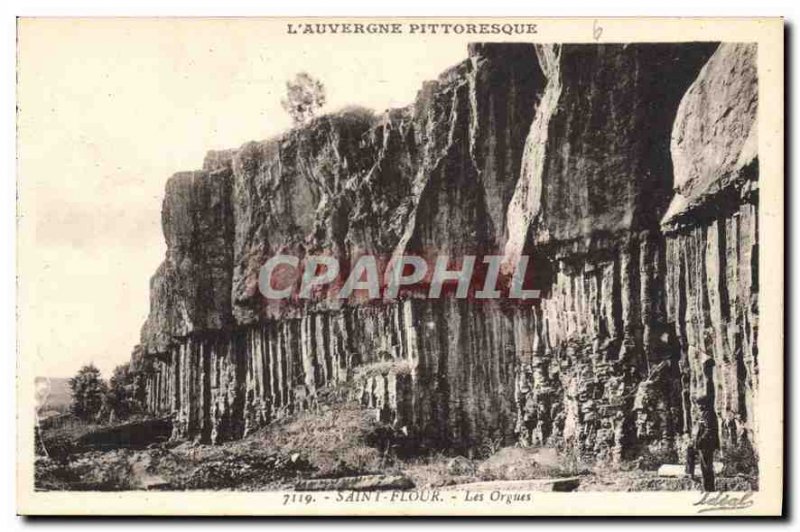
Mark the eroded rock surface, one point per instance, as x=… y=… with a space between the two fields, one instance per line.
x=573 y=155
x=711 y=233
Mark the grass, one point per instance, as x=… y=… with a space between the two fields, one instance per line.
x=59 y=442
x=507 y=463
x=91 y=472
x=338 y=438
x=516 y=463
x=384 y=367
x=338 y=441
x=432 y=471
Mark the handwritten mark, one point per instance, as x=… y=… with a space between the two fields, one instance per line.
x=711 y=502
x=597 y=30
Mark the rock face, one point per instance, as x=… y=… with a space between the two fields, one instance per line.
x=597 y=162
x=711 y=232
x=714 y=141
x=190 y=291
x=603 y=176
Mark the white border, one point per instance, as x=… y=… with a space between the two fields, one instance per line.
x=304 y=7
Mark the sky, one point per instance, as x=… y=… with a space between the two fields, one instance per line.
x=108 y=109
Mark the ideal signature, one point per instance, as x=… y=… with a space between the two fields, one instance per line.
x=717 y=501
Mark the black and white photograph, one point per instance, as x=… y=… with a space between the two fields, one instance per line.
x=393 y=266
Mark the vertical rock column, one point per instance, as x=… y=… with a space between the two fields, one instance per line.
x=712 y=242
x=595 y=181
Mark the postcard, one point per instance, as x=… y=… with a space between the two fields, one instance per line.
x=411 y=266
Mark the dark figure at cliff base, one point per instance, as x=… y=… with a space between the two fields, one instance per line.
x=706 y=441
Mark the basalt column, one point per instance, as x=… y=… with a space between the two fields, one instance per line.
x=596 y=179
x=432 y=178
x=712 y=243
x=631 y=190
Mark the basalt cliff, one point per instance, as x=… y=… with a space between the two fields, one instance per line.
x=627 y=173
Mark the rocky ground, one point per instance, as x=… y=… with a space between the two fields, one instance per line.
x=313 y=448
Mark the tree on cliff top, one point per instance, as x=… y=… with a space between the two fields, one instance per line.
x=88 y=390
x=304 y=96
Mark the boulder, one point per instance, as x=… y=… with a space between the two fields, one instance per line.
x=460 y=466
x=679 y=470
